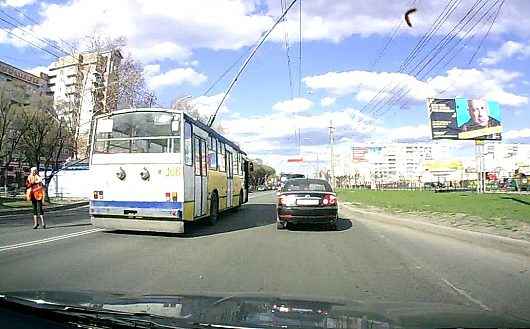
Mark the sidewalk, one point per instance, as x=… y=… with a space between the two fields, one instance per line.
x=47 y=207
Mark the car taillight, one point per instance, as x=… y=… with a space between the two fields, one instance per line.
x=98 y=195
x=281 y=200
x=329 y=200
x=174 y=196
x=168 y=197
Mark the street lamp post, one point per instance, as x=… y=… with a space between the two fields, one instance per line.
x=332 y=162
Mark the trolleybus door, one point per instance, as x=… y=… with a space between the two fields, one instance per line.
x=230 y=179
x=201 y=193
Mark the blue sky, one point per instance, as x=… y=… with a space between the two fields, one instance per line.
x=186 y=45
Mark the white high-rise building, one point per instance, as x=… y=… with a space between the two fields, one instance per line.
x=84 y=85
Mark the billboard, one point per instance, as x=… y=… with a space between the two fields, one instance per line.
x=460 y=118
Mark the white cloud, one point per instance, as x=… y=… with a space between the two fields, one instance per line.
x=37 y=70
x=365 y=85
x=471 y=83
x=206 y=105
x=151 y=69
x=508 y=50
x=296 y=105
x=18 y=3
x=272 y=137
x=161 y=51
x=176 y=77
x=474 y=83
x=157 y=29
x=160 y=29
x=515 y=134
x=327 y=101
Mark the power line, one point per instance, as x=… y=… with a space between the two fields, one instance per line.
x=262 y=40
x=299 y=67
x=389 y=39
x=72 y=48
x=433 y=28
x=286 y=35
x=429 y=58
x=477 y=50
x=26 y=41
x=468 y=40
x=226 y=71
x=24 y=29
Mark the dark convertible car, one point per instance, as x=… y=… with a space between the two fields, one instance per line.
x=307 y=200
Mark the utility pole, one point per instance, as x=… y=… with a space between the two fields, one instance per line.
x=332 y=163
x=318 y=167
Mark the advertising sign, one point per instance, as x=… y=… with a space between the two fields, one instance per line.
x=465 y=119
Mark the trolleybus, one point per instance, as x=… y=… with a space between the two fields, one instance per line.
x=153 y=169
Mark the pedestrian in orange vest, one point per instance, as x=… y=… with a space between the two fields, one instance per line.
x=36 y=196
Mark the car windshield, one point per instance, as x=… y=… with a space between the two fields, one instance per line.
x=321 y=151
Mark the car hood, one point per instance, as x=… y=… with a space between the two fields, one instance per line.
x=259 y=310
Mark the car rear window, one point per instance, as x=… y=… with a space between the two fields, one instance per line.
x=307 y=185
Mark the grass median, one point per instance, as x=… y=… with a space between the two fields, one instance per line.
x=490 y=207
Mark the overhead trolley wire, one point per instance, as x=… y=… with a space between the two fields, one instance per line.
x=25 y=30
x=261 y=41
x=72 y=48
x=449 y=8
x=493 y=15
x=392 y=94
x=287 y=48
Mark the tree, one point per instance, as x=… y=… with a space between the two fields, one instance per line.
x=13 y=98
x=261 y=173
x=45 y=140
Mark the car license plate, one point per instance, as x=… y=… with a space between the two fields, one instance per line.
x=307 y=202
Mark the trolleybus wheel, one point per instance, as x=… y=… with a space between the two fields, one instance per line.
x=214 y=209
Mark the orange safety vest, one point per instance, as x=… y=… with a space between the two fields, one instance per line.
x=35 y=183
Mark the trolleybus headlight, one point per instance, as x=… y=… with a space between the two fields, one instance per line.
x=145 y=174
x=120 y=174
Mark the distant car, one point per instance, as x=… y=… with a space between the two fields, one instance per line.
x=262 y=188
x=307 y=200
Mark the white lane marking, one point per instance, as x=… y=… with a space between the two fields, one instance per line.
x=46 y=212
x=47 y=240
x=466 y=295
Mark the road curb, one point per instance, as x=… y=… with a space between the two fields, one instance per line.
x=483 y=239
x=46 y=209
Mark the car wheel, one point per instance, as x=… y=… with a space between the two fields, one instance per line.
x=281 y=225
x=214 y=209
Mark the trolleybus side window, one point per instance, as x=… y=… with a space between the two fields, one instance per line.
x=221 y=158
x=229 y=164
x=212 y=154
x=188 y=152
x=236 y=164
x=197 y=155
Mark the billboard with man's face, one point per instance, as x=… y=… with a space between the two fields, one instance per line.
x=461 y=118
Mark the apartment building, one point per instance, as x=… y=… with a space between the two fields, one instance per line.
x=84 y=85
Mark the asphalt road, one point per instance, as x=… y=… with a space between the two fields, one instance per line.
x=244 y=253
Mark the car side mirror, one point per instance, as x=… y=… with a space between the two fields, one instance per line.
x=251 y=166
